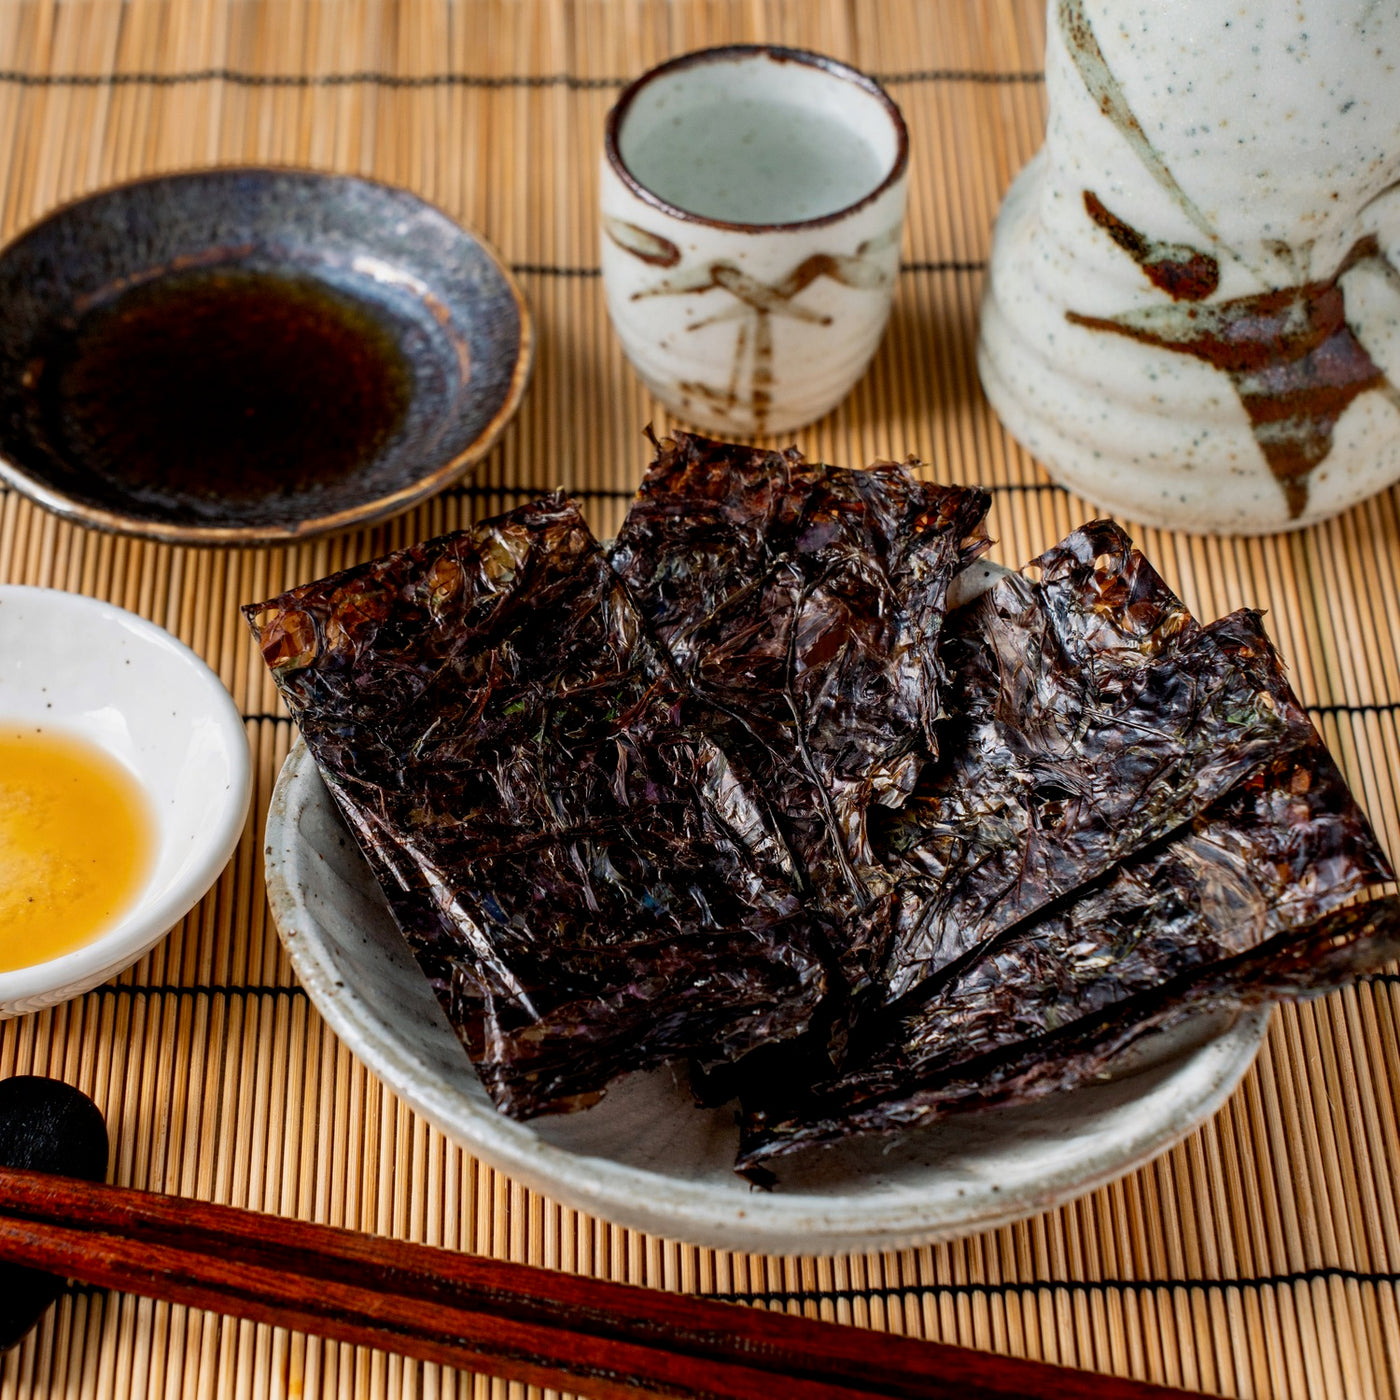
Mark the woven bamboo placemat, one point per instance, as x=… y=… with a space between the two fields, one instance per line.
x=1261 y=1257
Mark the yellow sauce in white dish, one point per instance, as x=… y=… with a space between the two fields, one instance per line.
x=77 y=841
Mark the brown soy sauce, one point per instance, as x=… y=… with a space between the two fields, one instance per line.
x=211 y=388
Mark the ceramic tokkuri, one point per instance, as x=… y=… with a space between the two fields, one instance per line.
x=1193 y=309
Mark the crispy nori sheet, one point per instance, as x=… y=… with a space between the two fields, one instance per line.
x=803 y=604
x=1091 y=716
x=1295 y=965
x=1286 y=846
x=582 y=879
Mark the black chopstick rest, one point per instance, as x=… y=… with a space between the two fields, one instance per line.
x=47 y=1126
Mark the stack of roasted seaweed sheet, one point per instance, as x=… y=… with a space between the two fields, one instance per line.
x=743 y=790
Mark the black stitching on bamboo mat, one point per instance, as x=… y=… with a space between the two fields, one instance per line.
x=617 y=493
x=476 y=489
x=367 y=78
x=1078 y=1287
x=946 y=265
x=208 y=989
x=563 y=270
x=554 y=270
x=488 y=81
x=1380 y=979
x=1073 y=1286
x=961 y=75
x=1387 y=707
x=481 y=488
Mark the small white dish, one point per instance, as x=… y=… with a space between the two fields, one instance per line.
x=97 y=672
x=647 y=1157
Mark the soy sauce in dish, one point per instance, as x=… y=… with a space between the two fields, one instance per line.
x=77 y=842
x=225 y=385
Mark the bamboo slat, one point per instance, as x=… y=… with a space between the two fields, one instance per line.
x=1261 y=1257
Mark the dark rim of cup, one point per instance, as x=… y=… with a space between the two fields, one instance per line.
x=778 y=54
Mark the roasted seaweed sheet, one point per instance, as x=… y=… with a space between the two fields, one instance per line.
x=560 y=853
x=1292 y=966
x=803 y=605
x=1279 y=851
x=1091 y=716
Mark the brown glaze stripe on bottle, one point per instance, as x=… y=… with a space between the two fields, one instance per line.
x=1293 y=360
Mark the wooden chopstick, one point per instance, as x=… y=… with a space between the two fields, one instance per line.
x=607 y=1340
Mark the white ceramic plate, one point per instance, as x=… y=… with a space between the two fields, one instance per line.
x=647 y=1157
x=105 y=675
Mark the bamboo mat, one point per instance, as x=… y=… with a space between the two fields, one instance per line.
x=1261 y=1257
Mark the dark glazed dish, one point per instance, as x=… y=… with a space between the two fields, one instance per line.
x=246 y=355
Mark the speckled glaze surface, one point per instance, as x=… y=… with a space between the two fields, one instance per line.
x=751 y=327
x=437 y=292
x=1193 y=310
x=648 y=1157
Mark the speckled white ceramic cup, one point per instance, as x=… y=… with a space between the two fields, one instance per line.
x=1193 y=310
x=752 y=205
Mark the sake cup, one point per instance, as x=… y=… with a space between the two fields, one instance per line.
x=752 y=205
